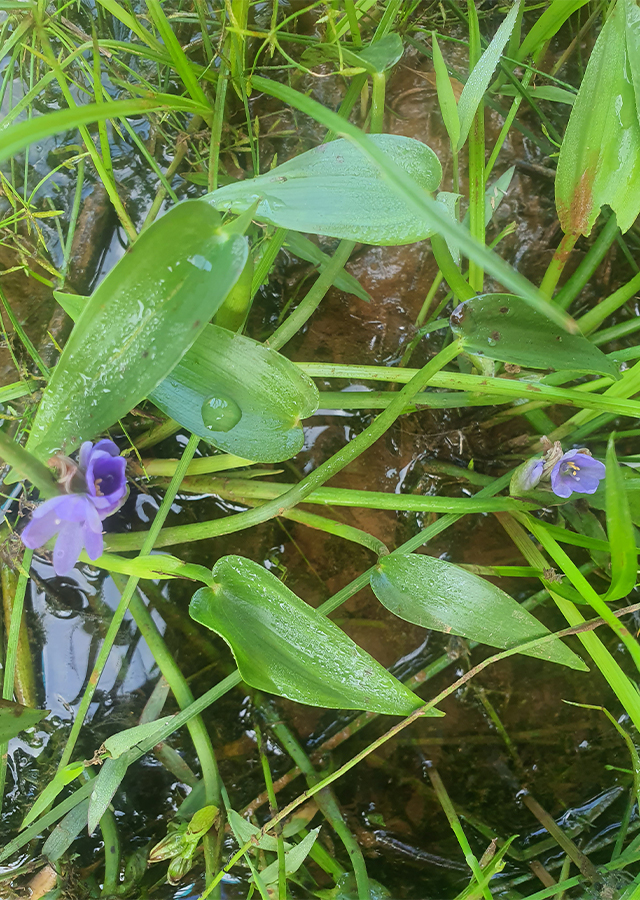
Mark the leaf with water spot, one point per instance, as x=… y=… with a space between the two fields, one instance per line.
x=285 y=647
x=599 y=159
x=335 y=190
x=240 y=396
x=439 y=595
x=14 y=718
x=137 y=325
x=504 y=327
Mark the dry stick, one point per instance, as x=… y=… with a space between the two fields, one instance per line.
x=392 y=732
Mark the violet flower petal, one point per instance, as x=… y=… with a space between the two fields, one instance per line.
x=576 y=472
x=93 y=542
x=68 y=547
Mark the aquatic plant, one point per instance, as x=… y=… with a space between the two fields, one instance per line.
x=172 y=341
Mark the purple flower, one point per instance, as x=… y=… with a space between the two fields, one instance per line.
x=77 y=517
x=576 y=471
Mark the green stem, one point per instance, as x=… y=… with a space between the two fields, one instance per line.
x=184 y=698
x=312 y=300
x=594 y=256
x=379 y=82
x=449 y=269
x=506 y=127
x=118 y=616
x=111 y=839
x=218 y=119
x=557 y=264
x=596 y=316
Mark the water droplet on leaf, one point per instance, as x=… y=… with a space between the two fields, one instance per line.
x=220 y=413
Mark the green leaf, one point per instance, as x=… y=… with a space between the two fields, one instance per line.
x=549 y=23
x=479 y=79
x=283 y=646
x=293 y=858
x=446 y=97
x=138 y=324
x=301 y=246
x=334 y=190
x=72 y=304
x=49 y=793
x=504 y=327
x=14 y=718
x=437 y=594
x=239 y=396
x=380 y=56
x=624 y=556
x=244 y=831
x=119 y=743
x=545 y=92
x=106 y=784
x=66 y=831
x=600 y=155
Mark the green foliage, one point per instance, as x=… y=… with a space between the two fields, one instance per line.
x=283 y=646
x=503 y=327
x=14 y=718
x=600 y=155
x=435 y=594
x=137 y=325
x=334 y=190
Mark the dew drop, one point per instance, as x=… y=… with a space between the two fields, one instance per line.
x=220 y=413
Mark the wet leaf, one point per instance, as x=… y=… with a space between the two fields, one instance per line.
x=271 y=394
x=239 y=396
x=66 y=831
x=437 y=594
x=378 y=57
x=119 y=743
x=14 y=718
x=106 y=784
x=479 y=79
x=136 y=326
x=283 y=646
x=624 y=556
x=504 y=327
x=244 y=832
x=335 y=190
x=446 y=96
x=600 y=155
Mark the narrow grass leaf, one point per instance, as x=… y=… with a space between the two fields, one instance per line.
x=504 y=327
x=599 y=159
x=285 y=647
x=446 y=97
x=119 y=743
x=305 y=249
x=240 y=396
x=137 y=325
x=105 y=785
x=624 y=556
x=293 y=858
x=18 y=136
x=547 y=25
x=436 y=594
x=335 y=191
x=46 y=797
x=480 y=78
x=65 y=832
x=180 y=60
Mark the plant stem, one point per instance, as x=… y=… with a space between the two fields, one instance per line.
x=449 y=269
x=557 y=264
x=596 y=316
x=312 y=300
x=594 y=256
x=27 y=466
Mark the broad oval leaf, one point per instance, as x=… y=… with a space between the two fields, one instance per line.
x=504 y=327
x=285 y=647
x=265 y=394
x=335 y=190
x=439 y=595
x=138 y=323
x=600 y=155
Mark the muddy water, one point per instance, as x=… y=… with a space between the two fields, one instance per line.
x=557 y=752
